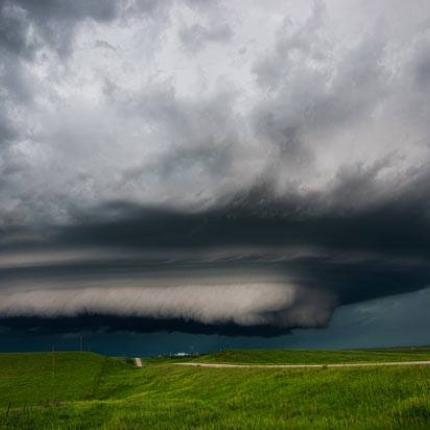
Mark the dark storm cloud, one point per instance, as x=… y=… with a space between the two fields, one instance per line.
x=147 y=186
x=109 y=323
x=53 y=22
x=395 y=225
x=348 y=256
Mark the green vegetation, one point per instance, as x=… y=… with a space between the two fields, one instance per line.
x=87 y=391
x=315 y=357
x=30 y=379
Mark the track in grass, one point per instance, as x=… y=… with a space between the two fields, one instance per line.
x=305 y=366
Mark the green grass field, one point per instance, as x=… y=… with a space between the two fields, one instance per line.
x=315 y=357
x=89 y=391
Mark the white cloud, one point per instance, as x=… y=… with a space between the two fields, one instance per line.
x=290 y=90
x=243 y=304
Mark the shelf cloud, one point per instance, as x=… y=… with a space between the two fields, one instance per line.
x=244 y=305
x=211 y=166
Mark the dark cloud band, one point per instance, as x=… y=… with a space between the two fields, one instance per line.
x=165 y=166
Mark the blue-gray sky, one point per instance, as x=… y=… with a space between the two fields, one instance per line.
x=236 y=168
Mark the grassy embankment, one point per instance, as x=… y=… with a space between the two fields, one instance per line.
x=248 y=356
x=85 y=391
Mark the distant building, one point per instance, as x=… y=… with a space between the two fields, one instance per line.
x=182 y=354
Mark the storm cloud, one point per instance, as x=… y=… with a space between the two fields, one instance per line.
x=211 y=166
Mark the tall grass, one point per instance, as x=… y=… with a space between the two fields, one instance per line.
x=161 y=395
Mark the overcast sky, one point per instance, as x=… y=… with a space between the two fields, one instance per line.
x=207 y=166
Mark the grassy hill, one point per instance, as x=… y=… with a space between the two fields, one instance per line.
x=29 y=379
x=88 y=391
x=315 y=357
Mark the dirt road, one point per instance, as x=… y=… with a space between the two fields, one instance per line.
x=306 y=366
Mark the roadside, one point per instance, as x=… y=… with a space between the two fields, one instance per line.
x=305 y=366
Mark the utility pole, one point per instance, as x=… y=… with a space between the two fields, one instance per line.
x=53 y=373
x=53 y=361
